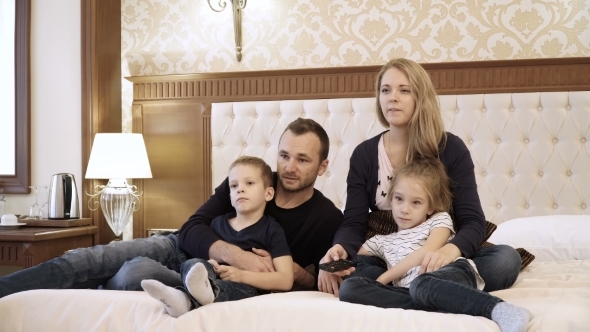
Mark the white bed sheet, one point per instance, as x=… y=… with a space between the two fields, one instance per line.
x=556 y=293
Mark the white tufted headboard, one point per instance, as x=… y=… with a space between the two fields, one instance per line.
x=529 y=149
x=185 y=119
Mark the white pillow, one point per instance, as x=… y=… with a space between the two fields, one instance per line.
x=549 y=238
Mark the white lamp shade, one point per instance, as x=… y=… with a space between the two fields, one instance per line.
x=118 y=156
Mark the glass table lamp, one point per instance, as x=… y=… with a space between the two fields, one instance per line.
x=117 y=157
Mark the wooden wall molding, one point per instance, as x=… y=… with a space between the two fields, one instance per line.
x=101 y=91
x=137 y=124
x=511 y=76
x=207 y=147
x=504 y=76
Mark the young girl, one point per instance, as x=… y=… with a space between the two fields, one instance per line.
x=420 y=196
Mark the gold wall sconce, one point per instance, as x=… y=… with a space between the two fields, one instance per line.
x=238 y=6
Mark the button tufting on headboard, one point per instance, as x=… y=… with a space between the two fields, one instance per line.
x=529 y=149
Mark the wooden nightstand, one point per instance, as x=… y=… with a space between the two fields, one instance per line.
x=29 y=246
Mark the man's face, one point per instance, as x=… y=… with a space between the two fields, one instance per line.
x=298 y=163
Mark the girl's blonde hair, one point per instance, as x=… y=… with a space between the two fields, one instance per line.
x=426 y=128
x=433 y=178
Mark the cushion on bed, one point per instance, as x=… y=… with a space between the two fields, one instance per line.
x=549 y=238
x=381 y=222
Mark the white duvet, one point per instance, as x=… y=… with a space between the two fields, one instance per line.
x=556 y=293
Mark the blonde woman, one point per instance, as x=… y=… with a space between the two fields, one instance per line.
x=407 y=104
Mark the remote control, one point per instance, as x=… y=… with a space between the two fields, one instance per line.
x=338 y=265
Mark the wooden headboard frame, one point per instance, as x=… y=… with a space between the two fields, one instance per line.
x=173 y=113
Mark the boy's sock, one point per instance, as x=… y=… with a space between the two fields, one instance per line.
x=510 y=317
x=175 y=301
x=198 y=285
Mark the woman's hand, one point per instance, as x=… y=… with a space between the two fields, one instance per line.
x=335 y=253
x=436 y=259
x=330 y=282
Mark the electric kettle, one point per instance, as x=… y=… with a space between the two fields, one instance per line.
x=63 y=197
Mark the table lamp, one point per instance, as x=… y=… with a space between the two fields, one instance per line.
x=117 y=157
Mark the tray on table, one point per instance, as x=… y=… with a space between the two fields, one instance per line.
x=56 y=222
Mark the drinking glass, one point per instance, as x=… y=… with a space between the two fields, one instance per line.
x=43 y=212
x=35 y=208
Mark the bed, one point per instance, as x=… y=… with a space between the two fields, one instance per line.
x=526 y=123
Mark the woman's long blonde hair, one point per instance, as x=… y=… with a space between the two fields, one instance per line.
x=426 y=129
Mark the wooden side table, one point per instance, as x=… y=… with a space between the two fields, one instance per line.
x=29 y=246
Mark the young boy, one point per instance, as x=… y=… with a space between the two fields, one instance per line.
x=205 y=282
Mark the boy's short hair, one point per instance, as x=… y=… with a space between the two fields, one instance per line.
x=265 y=171
x=303 y=126
x=434 y=179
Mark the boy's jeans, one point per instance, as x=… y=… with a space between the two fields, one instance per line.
x=224 y=290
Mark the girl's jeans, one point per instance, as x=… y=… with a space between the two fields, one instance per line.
x=451 y=288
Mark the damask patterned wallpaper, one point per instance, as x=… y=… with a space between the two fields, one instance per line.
x=186 y=36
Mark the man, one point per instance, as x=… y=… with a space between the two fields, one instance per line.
x=309 y=218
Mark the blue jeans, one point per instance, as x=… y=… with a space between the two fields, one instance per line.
x=451 y=288
x=498 y=266
x=224 y=290
x=368 y=267
x=94 y=266
x=132 y=272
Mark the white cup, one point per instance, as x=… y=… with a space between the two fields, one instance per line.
x=9 y=219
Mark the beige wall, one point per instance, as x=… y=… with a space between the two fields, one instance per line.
x=186 y=36
x=55 y=96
